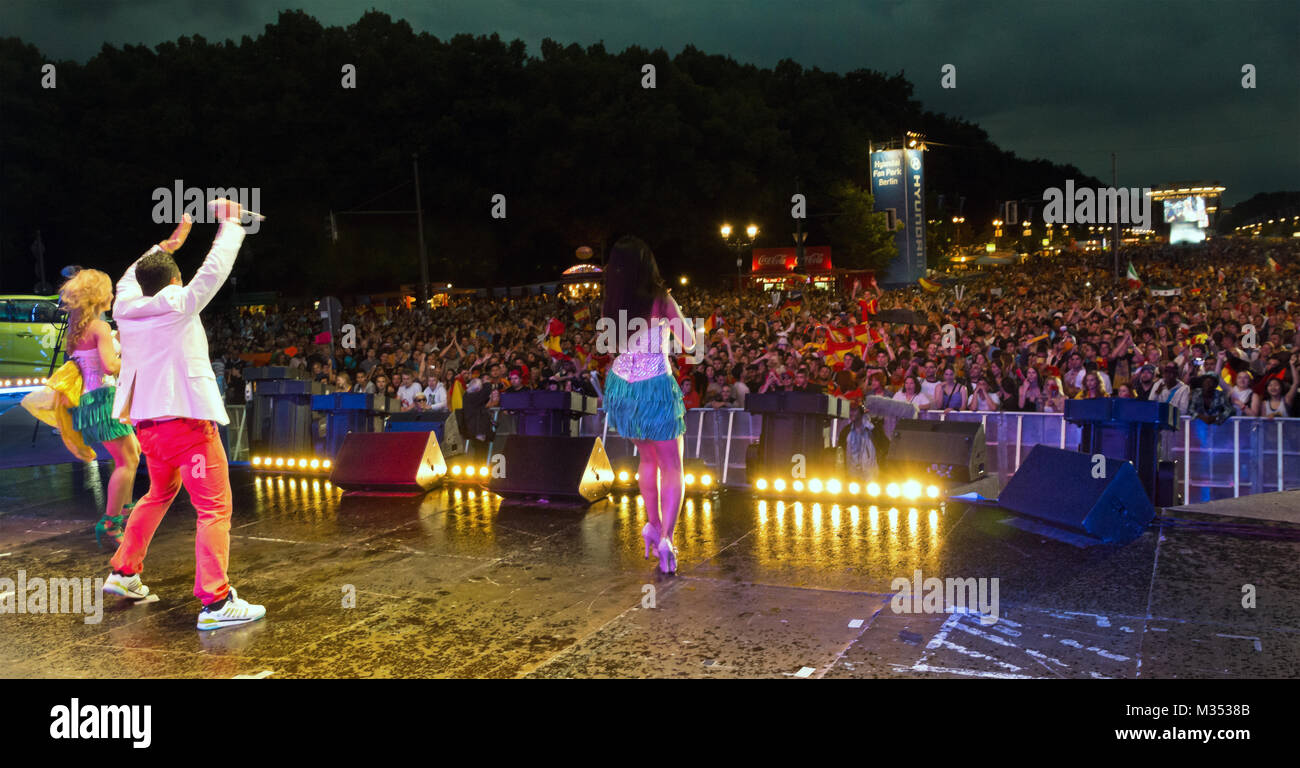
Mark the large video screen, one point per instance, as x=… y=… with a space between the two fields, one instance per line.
x=1187 y=210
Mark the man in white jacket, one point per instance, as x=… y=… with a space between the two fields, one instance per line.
x=168 y=391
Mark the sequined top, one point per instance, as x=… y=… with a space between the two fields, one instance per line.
x=91 y=366
x=644 y=359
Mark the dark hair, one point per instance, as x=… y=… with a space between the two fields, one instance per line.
x=155 y=271
x=632 y=280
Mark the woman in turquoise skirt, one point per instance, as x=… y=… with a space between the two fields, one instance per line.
x=90 y=344
x=642 y=399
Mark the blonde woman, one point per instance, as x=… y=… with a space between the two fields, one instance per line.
x=90 y=344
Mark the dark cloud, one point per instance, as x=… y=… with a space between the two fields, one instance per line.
x=1157 y=82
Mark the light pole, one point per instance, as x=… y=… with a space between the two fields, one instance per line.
x=751 y=232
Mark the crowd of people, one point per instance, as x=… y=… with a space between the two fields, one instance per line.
x=1212 y=329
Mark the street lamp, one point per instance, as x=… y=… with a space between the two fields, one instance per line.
x=751 y=232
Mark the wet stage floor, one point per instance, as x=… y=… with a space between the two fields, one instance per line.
x=461 y=584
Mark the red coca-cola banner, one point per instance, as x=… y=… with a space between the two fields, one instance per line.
x=775 y=261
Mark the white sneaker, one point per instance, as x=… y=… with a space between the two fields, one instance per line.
x=129 y=587
x=233 y=613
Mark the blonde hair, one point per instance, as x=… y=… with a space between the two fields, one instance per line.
x=85 y=295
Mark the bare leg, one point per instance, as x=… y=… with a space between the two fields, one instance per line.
x=669 y=453
x=649 y=481
x=126 y=459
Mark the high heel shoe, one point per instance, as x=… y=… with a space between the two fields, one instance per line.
x=650 y=535
x=113 y=526
x=667 y=556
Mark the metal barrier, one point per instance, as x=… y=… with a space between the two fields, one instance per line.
x=1237 y=458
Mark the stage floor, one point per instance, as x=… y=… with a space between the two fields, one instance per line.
x=459 y=584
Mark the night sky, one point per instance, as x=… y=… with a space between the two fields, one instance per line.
x=1157 y=82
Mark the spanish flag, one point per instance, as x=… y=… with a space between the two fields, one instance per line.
x=837 y=350
x=554 y=329
x=866 y=334
x=581 y=315
x=928 y=286
x=713 y=322
x=838 y=334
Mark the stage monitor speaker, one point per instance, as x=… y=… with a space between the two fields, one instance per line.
x=1060 y=487
x=408 y=462
x=573 y=469
x=942 y=450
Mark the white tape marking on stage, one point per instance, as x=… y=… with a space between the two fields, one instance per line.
x=805 y=671
x=966 y=672
x=1045 y=657
x=855 y=623
x=1259 y=646
x=1099 y=651
x=258 y=676
x=990 y=637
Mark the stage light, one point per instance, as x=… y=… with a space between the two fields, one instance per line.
x=455 y=470
x=315 y=463
x=706 y=479
x=833 y=486
x=778 y=485
x=257 y=461
x=815 y=485
x=292 y=462
x=932 y=491
x=325 y=464
x=637 y=477
x=912 y=489
x=279 y=461
x=892 y=490
x=623 y=476
x=482 y=471
x=690 y=479
x=873 y=489
x=797 y=485
x=855 y=489
x=760 y=484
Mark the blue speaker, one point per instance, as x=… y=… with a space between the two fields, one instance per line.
x=1059 y=487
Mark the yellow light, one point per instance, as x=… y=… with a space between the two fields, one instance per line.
x=760 y=484
x=873 y=489
x=815 y=485
x=833 y=486
x=912 y=489
x=855 y=489
x=293 y=463
x=932 y=491
x=797 y=485
x=637 y=477
x=622 y=476
x=706 y=479
x=279 y=461
x=257 y=461
x=892 y=490
x=752 y=231
x=455 y=469
x=315 y=463
x=683 y=280
x=483 y=471
x=690 y=479
x=778 y=484
x=726 y=230
x=326 y=464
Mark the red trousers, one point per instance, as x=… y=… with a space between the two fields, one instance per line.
x=184 y=452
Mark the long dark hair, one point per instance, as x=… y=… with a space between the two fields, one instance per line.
x=632 y=280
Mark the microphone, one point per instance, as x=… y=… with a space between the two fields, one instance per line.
x=212 y=211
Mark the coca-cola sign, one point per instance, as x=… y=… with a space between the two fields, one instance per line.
x=769 y=261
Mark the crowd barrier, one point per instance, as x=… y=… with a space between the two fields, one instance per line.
x=1240 y=457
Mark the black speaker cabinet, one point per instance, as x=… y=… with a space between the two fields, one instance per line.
x=409 y=462
x=941 y=450
x=571 y=469
x=1059 y=487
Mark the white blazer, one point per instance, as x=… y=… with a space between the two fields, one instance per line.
x=166 y=370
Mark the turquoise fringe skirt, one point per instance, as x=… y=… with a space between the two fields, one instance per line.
x=650 y=409
x=93 y=417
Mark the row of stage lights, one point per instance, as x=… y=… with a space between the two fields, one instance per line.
x=31 y=382
x=703 y=480
x=290 y=464
x=909 y=489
